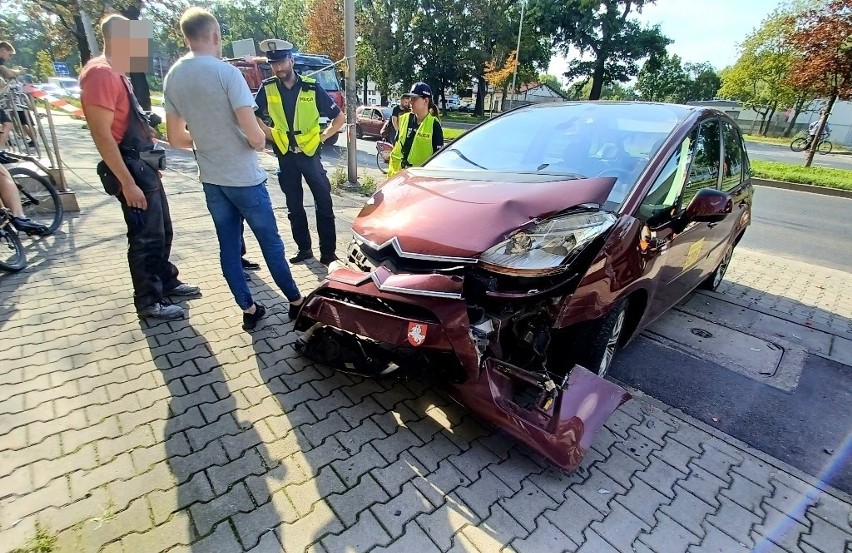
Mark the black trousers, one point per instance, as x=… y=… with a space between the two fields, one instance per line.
x=292 y=167
x=149 y=243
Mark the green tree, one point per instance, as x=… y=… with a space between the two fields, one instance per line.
x=551 y=81
x=605 y=32
x=703 y=82
x=662 y=79
x=43 y=67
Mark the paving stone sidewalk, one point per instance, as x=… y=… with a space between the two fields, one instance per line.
x=196 y=436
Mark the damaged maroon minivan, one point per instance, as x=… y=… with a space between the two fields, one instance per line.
x=516 y=262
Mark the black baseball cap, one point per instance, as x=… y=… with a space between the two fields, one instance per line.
x=421 y=90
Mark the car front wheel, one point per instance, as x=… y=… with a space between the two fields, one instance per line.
x=597 y=343
x=715 y=279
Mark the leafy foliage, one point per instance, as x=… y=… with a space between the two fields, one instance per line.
x=324 y=27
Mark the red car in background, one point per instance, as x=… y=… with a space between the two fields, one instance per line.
x=369 y=120
x=514 y=264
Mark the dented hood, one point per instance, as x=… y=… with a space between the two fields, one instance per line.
x=463 y=218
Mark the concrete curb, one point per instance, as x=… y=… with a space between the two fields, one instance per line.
x=824 y=190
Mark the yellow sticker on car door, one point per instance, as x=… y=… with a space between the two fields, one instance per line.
x=693 y=254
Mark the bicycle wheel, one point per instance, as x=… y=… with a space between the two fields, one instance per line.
x=12 y=257
x=381 y=163
x=799 y=144
x=39 y=198
x=824 y=147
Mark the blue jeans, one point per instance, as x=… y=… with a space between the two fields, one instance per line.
x=229 y=205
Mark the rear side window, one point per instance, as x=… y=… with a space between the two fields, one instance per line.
x=704 y=170
x=732 y=162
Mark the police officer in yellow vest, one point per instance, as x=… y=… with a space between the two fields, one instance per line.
x=294 y=104
x=420 y=133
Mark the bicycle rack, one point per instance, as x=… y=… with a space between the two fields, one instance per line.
x=16 y=99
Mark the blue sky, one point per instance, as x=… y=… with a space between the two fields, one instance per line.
x=702 y=30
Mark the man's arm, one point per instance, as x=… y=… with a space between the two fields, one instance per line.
x=251 y=127
x=336 y=124
x=10 y=73
x=99 y=119
x=176 y=132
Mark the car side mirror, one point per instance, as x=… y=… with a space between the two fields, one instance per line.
x=709 y=206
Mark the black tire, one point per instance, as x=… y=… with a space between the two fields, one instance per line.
x=715 y=279
x=39 y=198
x=12 y=257
x=380 y=162
x=824 y=147
x=359 y=132
x=799 y=144
x=597 y=342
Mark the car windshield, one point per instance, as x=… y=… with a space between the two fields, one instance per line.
x=325 y=77
x=573 y=140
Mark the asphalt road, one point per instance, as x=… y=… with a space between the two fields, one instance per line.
x=806 y=428
x=771 y=152
x=800 y=225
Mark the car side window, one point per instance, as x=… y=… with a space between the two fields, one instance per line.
x=704 y=170
x=377 y=116
x=732 y=166
x=659 y=203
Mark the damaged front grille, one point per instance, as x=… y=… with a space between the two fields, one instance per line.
x=381 y=305
x=366 y=258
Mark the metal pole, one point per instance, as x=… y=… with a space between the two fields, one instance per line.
x=517 y=54
x=90 y=33
x=351 y=98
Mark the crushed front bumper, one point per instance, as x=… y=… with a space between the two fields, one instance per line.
x=426 y=313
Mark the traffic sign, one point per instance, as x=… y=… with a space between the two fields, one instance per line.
x=61 y=69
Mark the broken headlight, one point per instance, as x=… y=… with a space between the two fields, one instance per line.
x=546 y=248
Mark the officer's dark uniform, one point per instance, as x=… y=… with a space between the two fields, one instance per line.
x=295 y=164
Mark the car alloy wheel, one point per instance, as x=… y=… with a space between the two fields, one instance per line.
x=612 y=342
x=722 y=268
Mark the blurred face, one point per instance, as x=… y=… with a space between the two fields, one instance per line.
x=283 y=68
x=129 y=46
x=420 y=104
x=5 y=54
x=405 y=102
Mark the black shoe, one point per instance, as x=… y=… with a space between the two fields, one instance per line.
x=161 y=310
x=294 y=310
x=250 y=265
x=29 y=226
x=250 y=319
x=328 y=259
x=302 y=256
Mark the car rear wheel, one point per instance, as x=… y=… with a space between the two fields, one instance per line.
x=714 y=280
x=359 y=132
x=599 y=341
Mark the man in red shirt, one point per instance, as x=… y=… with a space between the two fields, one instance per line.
x=120 y=131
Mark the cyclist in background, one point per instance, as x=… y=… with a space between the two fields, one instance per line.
x=812 y=130
x=12 y=201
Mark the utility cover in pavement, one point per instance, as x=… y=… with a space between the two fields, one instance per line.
x=753 y=357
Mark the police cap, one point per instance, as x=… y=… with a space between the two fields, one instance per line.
x=276 y=49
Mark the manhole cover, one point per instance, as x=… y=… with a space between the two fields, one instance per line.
x=701 y=332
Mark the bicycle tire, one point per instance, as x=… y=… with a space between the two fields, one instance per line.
x=799 y=144
x=824 y=147
x=9 y=239
x=380 y=162
x=39 y=192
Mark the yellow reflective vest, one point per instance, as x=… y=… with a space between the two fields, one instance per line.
x=305 y=120
x=421 y=148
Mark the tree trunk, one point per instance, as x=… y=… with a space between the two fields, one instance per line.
x=763 y=120
x=597 y=78
x=82 y=41
x=823 y=120
x=797 y=109
x=769 y=119
x=479 y=108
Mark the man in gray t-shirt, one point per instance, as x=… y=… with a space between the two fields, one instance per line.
x=209 y=105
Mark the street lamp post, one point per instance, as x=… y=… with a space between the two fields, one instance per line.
x=517 y=54
x=351 y=93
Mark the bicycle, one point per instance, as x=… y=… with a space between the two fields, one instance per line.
x=12 y=256
x=39 y=197
x=801 y=144
x=383 y=151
